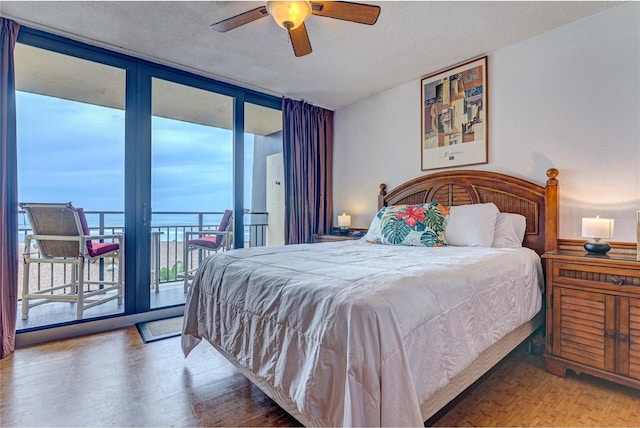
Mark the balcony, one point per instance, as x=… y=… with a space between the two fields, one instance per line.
x=167 y=232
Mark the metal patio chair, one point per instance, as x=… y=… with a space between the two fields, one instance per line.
x=209 y=241
x=61 y=235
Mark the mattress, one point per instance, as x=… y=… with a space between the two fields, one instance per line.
x=359 y=334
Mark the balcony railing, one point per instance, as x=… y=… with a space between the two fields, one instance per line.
x=168 y=230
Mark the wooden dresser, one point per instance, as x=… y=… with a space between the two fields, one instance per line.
x=593 y=315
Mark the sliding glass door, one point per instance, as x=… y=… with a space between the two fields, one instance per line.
x=264 y=172
x=191 y=178
x=146 y=150
x=71 y=148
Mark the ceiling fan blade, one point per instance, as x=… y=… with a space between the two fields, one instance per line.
x=347 y=11
x=300 y=41
x=241 y=19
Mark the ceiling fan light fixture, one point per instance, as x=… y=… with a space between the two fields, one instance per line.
x=289 y=14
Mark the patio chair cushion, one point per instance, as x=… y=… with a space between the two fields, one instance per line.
x=95 y=249
x=214 y=241
x=100 y=248
x=208 y=241
x=226 y=219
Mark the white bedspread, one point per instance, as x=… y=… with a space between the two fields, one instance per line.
x=359 y=334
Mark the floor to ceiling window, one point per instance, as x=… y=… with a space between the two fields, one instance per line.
x=71 y=138
x=191 y=178
x=146 y=150
x=264 y=185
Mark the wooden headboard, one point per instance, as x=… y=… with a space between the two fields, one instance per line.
x=539 y=204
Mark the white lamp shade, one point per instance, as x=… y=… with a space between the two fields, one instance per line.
x=344 y=220
x=596 y=227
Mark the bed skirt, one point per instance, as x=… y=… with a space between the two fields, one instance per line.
x=485 y=361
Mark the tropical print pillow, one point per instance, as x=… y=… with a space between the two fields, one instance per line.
x=416 y=225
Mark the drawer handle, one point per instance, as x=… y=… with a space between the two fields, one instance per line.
x=617 y=280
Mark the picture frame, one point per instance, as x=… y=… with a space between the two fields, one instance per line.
x=454 y=116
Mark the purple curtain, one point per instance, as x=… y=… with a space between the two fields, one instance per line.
x=9 y=189
x=308 y=170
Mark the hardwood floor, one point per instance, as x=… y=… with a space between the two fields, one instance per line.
x=114 y=379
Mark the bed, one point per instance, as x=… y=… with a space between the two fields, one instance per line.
x=354 y=333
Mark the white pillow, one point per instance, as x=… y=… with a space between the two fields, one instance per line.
x=373 y=234
x=472 y=225
x=510 y=229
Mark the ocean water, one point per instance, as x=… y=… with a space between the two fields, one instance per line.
x=171 y=225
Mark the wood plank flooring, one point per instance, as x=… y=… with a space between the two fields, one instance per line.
x=114 y=379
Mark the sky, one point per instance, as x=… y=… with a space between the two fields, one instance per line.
x=74 y=152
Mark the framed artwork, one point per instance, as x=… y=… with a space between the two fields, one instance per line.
x=454 y=116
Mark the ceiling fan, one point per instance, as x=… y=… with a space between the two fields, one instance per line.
x=291 y=15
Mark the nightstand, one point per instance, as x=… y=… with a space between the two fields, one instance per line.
x=335 y=236
x=593 y=315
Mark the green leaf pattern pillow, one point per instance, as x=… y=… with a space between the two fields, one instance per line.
x=416 y=225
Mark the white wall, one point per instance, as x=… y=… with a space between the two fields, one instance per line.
x=568 y=99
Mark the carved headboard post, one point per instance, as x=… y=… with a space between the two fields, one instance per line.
x=551 y=211
x=381 y=195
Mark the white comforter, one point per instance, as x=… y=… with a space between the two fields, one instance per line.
x=359 y=334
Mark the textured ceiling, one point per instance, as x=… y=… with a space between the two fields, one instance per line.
x=349 y=61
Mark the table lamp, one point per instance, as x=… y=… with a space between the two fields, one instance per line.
x=344 y=221
x=597 y=228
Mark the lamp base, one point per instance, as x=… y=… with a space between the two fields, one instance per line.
x=344 y=231
x=597 y=246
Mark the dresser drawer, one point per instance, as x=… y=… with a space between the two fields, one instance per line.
x=613 y=279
